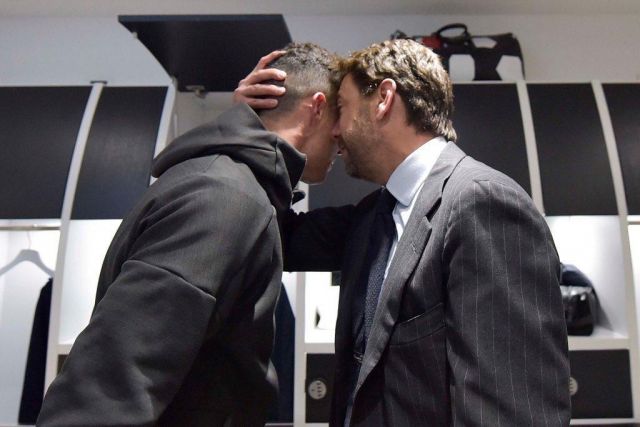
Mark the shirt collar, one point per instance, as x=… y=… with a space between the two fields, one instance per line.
x=407 y=178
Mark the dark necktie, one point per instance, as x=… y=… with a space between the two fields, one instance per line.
x=383 y=232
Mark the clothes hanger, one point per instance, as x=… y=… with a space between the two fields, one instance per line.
x=29 y=255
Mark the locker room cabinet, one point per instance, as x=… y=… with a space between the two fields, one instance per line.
x=116 y=166
x=600 y=384
x=319 y=386
x=488 y=121
x=39 y=130
x=623 y=101
x=574 y=166
x=208 y=52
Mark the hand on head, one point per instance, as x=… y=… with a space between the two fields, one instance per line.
x=254 y=92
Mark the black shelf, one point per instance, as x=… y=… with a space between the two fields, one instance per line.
x=209 y=52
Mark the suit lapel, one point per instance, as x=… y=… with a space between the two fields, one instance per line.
x=408 y=252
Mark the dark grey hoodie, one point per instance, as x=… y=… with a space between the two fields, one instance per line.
x=182 y=330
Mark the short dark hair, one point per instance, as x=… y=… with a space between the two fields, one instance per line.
x=308 y=71
x=421 y=81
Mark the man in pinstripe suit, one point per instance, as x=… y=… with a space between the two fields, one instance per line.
x=468 y=327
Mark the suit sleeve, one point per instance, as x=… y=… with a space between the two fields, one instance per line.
x=315 y=241
x=170 y=294
x=506 y=339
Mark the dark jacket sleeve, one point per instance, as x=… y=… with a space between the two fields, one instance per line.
x=506 y=339
x=170 y=295
x=315 y=240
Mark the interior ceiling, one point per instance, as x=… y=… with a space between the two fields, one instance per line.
x=60 y=8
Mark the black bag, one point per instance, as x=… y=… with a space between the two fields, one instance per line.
x=579 y=300
x=467 y=57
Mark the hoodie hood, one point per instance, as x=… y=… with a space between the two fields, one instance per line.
x=239 y=134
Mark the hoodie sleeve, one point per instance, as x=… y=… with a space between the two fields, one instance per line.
x=171 y=294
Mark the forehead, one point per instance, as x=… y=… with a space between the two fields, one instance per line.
x=348 y=88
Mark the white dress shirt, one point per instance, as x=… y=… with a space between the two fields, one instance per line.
x=405 y=184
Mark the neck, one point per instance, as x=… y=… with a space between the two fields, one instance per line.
x=400 y=142
x=287 y=128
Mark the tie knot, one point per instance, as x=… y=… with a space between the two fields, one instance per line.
x=386 y=202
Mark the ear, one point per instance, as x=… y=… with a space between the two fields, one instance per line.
x=318 y=105
x=385 y=97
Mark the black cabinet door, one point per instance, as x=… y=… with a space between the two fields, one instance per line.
x=39 y=127
x=116 y=166
x=488 y=122
x=600 y=384
x=624 y=107
x=574 y=165
x=319 y=387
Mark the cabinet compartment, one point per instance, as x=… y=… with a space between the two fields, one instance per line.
x=574 y=165
x=319 y=387
x=488 y=121
x=623 y=101
x=600 y=384
x=116 y=166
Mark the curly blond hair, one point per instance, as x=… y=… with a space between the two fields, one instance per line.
x=422 y=82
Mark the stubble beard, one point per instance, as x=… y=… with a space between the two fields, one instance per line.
x=360 y=149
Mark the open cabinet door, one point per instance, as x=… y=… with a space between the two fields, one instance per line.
x=208 y=53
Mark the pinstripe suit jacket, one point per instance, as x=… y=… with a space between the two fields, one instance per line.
x=469 y=328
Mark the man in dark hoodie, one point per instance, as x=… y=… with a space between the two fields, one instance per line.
x=182 y=329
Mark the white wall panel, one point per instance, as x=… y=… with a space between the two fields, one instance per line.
x=87 y=243
x=74 y=51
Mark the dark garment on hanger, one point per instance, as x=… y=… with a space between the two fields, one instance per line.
x=282 y=357
x=33 y=388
